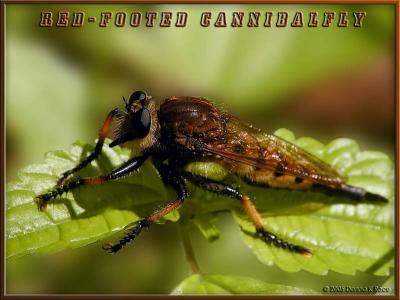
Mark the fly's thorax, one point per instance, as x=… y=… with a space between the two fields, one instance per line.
x=191 y=117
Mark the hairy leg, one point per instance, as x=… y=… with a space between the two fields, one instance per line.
x=170 y=177
x=249 y=208
x=126 y=169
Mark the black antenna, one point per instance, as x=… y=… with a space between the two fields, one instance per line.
x=126 y=104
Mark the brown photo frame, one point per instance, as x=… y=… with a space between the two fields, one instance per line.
x=54 y=18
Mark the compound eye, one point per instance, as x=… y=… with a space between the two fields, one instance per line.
x=137 y=96
x=141 y=123
x=145 y=120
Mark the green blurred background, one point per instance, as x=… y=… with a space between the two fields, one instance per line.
x=61 y=82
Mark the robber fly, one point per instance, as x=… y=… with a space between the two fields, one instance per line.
x=185 y=129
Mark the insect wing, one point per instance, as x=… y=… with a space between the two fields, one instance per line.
x=248 y=145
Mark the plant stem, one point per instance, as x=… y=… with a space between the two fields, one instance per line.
x=187 y=247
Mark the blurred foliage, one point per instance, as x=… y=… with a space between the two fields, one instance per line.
x=60 y=83
x=77 y=74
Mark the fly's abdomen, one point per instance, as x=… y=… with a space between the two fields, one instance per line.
x=269 y=178
x=279 y=180
x=354 y=193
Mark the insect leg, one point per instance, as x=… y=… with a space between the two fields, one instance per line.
x=249 y=208
x=126 y=169
x=169 y=177
x=97 y=150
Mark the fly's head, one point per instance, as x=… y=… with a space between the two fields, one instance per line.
x=138 y=123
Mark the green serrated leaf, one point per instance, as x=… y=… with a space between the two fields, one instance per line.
x=345 y=237
x=83 y=216
x=233 y=285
